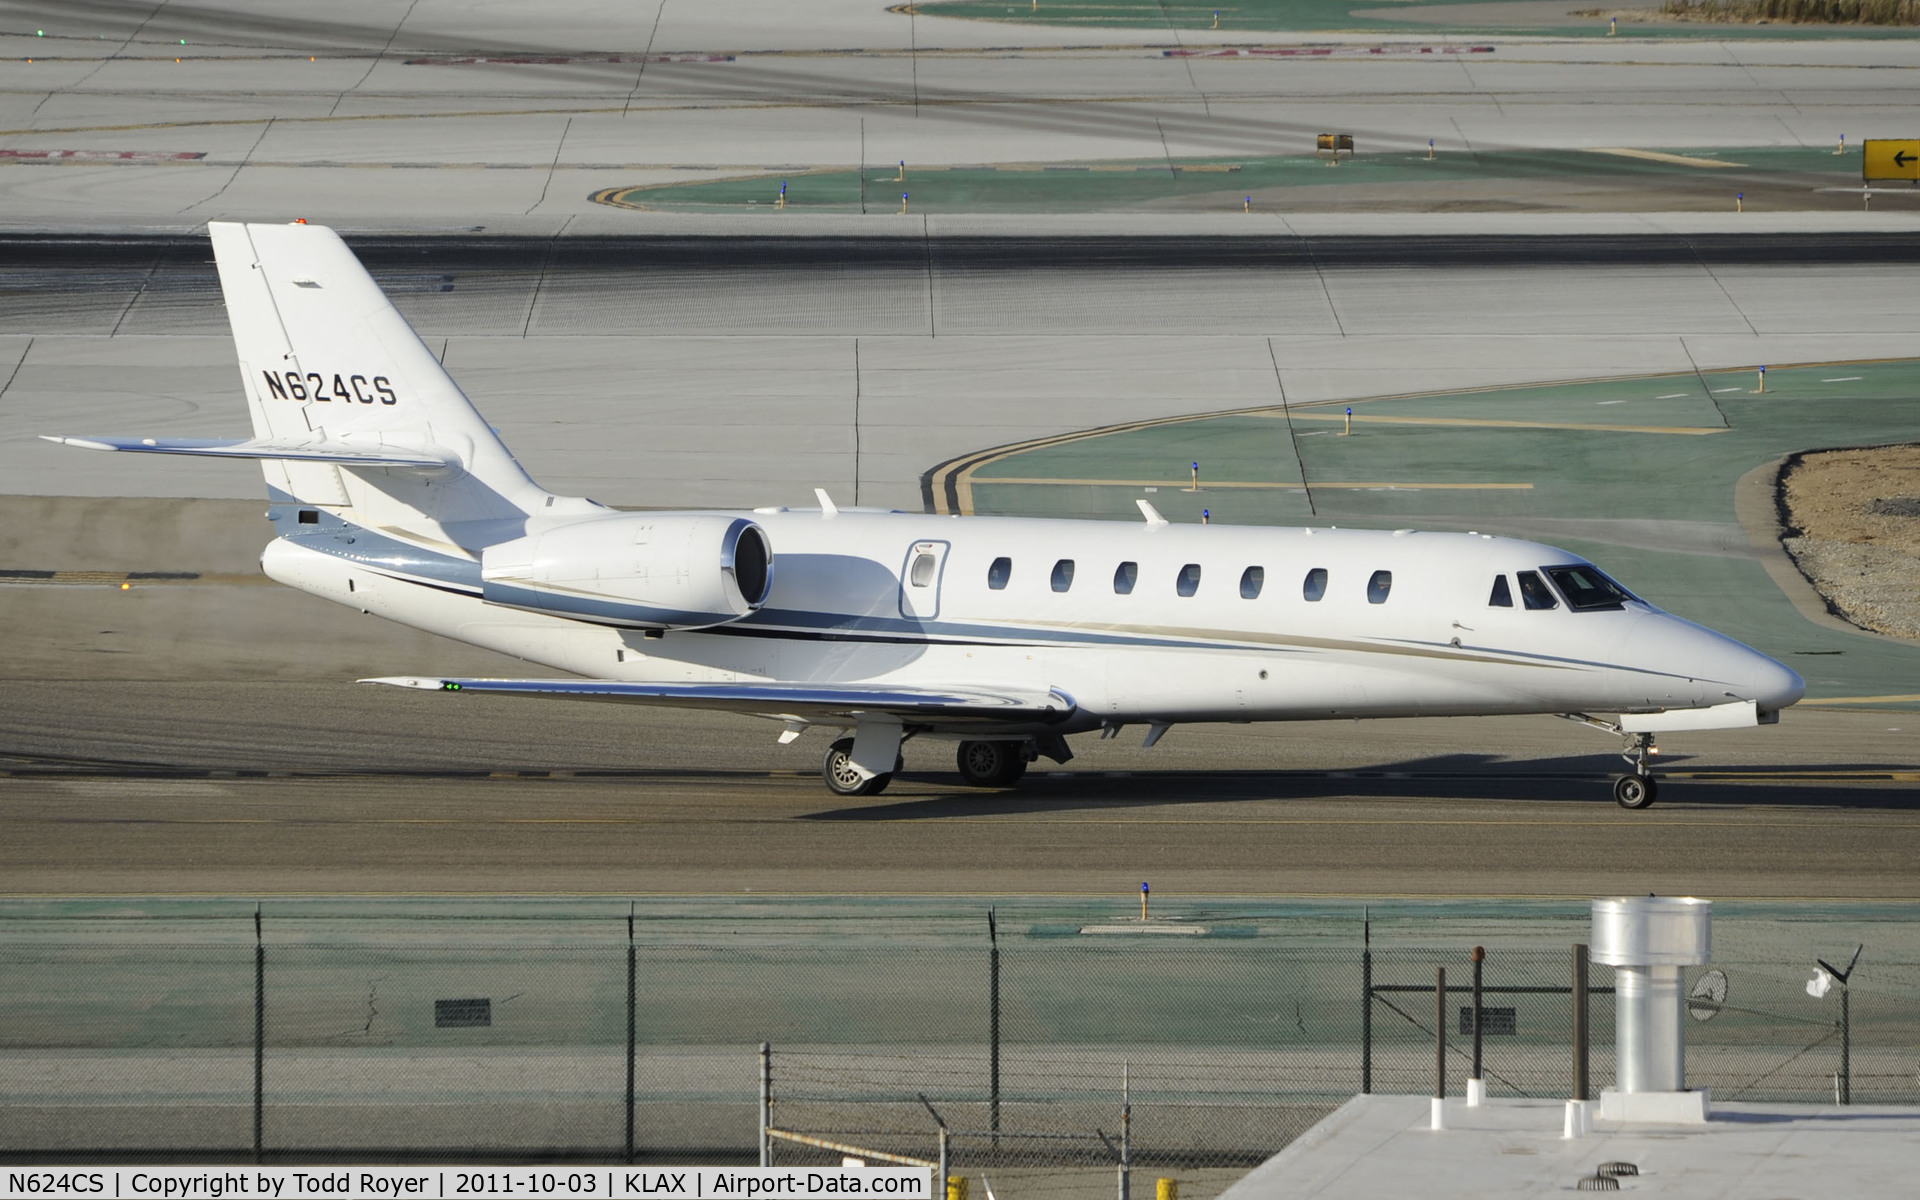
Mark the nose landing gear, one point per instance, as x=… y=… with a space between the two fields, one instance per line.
x=1640 y=789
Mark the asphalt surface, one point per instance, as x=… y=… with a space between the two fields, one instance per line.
x=252 y=788
x=47 y=261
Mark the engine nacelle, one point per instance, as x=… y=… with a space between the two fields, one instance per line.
x=637 y=570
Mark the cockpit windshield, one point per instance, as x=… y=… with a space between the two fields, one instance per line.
x=1586 y=589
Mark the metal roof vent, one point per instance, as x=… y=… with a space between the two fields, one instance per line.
x=1598 y=1183
x=1650 y=941
x=1618 y=1168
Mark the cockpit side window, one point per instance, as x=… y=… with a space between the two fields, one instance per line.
x=1502 y=594
x=1534 y=592
x=1586 y=589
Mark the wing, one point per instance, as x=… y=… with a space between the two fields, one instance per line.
x=824 y=702
x=339 y=453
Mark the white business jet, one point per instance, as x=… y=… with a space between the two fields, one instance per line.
x=391 y=494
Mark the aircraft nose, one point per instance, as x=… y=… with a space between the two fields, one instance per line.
x=1684 y=663
x=1774 y=684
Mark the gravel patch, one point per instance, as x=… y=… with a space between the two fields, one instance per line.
x=1853 y=529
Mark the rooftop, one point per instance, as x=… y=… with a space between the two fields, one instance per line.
x=1376 y=1146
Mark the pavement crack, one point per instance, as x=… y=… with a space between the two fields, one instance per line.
x=376 y=60
x=645 y=57
x=1293 y=437
x=551 y=168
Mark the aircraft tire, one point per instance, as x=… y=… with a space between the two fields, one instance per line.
x=840 y=777
x=991 y=764
x=1635 y=791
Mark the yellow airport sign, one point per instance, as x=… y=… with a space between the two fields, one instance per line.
x=1890 y=158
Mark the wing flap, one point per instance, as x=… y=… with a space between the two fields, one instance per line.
x=807 y=701
x=342 y=454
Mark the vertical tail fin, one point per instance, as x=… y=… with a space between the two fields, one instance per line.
x=324 y=356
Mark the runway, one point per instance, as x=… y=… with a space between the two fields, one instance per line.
x=454 y=114
x=287 y=789
x=652 y=359
x=666 y=371
x=674 y=371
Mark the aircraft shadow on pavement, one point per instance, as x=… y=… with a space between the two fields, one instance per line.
x=1580 y=780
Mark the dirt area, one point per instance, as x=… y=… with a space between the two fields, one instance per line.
x=1852 y=522
x=1766 y=12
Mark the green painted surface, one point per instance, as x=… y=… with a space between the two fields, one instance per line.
x=1122 y=184
x=1523 y=17
x=1662 y=492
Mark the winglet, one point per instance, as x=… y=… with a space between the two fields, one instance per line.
x=827 y=507
x=1152 y=514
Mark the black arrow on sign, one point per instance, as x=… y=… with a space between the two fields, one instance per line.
x=1901 y=158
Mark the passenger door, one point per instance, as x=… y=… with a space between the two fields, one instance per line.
x=920 y=576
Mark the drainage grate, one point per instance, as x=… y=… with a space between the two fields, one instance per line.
x=462 y=1014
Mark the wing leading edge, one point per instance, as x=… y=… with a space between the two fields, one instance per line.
x=811 y=702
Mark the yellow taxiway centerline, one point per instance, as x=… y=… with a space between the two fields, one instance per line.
x=1678 y=160
x=1181 y=485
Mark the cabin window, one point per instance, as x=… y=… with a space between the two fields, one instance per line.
x=1502 y=594
x=1535 y=593
x=1315 y=586
x=1124 y=577
x=1063 y=575
x=923 y=568
x=1379 y=586
x=999 y=573
x=1587 y=590
x=1251 y=581
x=1189 y=580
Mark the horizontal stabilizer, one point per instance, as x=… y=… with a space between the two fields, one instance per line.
x=338 y=453
x=808 y=701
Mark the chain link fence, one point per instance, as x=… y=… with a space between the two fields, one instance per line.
x=1062 y=1050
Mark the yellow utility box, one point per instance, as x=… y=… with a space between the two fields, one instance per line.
x=1334 y=143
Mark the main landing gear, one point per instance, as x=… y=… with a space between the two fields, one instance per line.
x=843 y=780
x=992 y=764
x=999 y=763
x=1640 y=789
